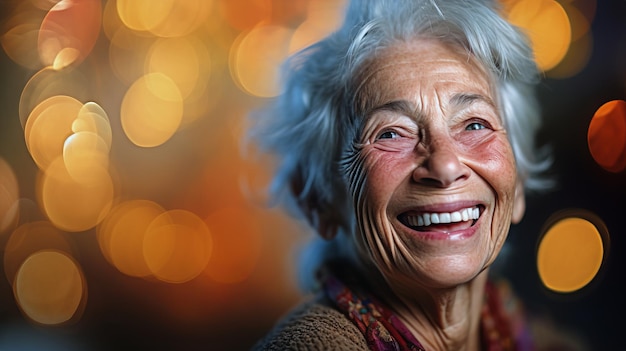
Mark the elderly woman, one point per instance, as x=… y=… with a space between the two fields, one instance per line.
x=406 y=140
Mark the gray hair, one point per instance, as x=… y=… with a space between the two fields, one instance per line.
x=313 y=122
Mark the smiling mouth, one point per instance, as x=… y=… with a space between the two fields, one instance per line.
x=442 y=221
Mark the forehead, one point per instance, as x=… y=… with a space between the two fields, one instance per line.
x=419 y=67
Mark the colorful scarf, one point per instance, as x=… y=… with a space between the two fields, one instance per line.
x=384 y=331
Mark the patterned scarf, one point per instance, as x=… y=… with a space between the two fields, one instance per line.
x=384 y=331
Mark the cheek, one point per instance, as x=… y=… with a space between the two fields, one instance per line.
x=385 y=172
x=374 y=177
x=496 y=164
x=375 y=181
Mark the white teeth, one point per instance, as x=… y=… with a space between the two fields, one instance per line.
x=445 y=218
x=456 y=217
x=434 y=218
x=426 y=219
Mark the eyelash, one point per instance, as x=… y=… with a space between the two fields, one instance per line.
x=393 y=133
x=479 y=121
x=480 y=126
x=387 y=131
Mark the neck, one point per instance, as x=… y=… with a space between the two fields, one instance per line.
x=442 y=319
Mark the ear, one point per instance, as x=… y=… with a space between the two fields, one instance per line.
x=519 y=203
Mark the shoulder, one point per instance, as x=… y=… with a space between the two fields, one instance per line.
x=314 y=325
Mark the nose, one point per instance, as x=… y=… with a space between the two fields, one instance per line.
x=441 y=167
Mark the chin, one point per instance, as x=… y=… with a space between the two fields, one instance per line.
x=451 y=272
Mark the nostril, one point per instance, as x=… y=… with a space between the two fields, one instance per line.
x=440 y=169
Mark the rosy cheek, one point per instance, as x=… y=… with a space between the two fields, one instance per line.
x=385 y=164
x=496 y=159
x=384 y=171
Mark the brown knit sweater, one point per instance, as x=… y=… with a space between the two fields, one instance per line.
x=314 y=325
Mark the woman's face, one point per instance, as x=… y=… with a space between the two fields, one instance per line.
x=435 y=187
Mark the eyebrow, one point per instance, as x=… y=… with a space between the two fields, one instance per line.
x=463 y=100
x=402 y=106
x=459 y=100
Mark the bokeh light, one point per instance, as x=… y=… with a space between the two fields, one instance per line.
x=576 y=60
x=177 y=246
x=48 y=126
x=15 y=43
x=49 y=83
x=606 y=136
x=85 y=155
x=92 y=118
x=182 y=17
x=9 y=196
x=29 y=238
x=571 y=252
x=121 y=235
x=127 y=53
x=49 y=287
x=322 y=19
x=21 y=33
x=75 y=204
x=548 y=26
x=181 y=59
x=167 y=18
x=69 y=32
x=152 y=110
x=581 y=14
x=256 y=57
x=142 y=15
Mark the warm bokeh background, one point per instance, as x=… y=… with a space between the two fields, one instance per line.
x=132 y=214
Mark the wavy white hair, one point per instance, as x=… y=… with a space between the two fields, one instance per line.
x=313 y=123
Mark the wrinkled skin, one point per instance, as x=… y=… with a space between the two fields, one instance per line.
x=433 y=142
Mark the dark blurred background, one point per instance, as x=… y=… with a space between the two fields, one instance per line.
x=168 y=244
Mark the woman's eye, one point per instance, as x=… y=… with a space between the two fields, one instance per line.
x=475 y=126
x=390 y=134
